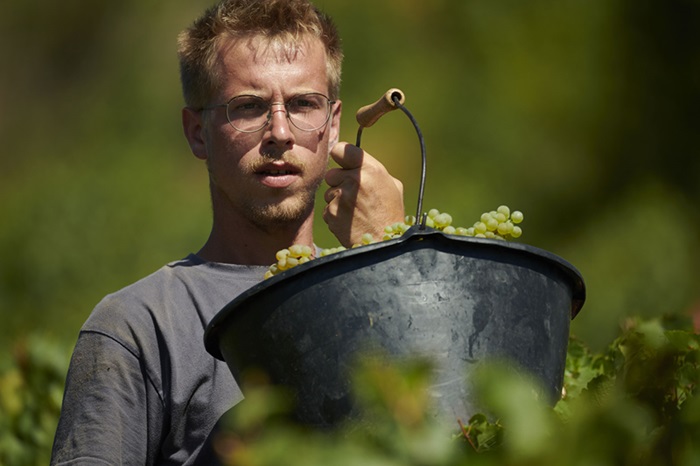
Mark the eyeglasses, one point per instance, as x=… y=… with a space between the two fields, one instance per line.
x=250 y=113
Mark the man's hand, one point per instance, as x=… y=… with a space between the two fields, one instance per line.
x=362 y=196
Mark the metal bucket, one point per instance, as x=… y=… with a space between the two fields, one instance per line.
x=455 y=300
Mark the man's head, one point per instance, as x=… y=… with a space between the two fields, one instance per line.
x=285 y=23
x=270 y=54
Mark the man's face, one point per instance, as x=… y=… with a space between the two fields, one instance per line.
x=269 y=177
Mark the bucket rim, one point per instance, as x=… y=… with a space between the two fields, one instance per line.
x=213 y=328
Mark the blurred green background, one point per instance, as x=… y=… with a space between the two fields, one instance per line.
x=582 y=114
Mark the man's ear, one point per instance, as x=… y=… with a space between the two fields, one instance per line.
x=194 y=132
x=334 y=134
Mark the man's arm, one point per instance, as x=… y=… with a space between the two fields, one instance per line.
x=362 y=196
x=104 y=416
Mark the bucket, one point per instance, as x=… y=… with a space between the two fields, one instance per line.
x=452 y=299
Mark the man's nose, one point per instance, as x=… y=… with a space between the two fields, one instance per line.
x=279 y=125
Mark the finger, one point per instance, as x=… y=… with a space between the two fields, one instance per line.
x=330 y=194
x=347 y=156
x=330 y=213
x=337 y=176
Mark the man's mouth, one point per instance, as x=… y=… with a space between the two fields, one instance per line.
x=278 y=177
x=276 y=172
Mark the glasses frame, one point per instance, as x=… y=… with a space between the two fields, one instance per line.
x=269 y=112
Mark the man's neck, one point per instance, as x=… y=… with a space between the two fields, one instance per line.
x=246 y=244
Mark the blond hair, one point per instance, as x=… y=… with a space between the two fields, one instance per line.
x=284 y=21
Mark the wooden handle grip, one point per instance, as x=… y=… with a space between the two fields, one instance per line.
x=369 y=114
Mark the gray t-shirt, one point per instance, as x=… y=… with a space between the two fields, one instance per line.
x=141 y=388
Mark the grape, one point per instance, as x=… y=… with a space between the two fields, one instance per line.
x=442 y=221
x=367 y=238
x=500 y=224
x=503 y=228
x=281 y=254
x=292 y=262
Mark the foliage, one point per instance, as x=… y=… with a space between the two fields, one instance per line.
x=31 y=389
x=635 y=403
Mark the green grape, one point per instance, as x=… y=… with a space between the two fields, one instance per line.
x=505 y=228
x=504 y=209
x=442 y=220
x=281 y=254
x=367 y=238
x=499 y=225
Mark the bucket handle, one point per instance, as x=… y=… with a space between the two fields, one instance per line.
x=369 y=114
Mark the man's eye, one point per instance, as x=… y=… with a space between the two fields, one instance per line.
x=303 y=104
x=249 y=106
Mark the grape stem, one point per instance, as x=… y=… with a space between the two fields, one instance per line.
x=396 y=97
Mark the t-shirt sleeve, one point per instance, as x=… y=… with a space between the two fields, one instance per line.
x=107 y=407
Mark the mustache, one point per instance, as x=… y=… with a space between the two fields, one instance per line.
x=286 y=157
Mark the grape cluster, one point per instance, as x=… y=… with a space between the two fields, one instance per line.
x=497 y=224
x=290 y=257
x=500 y=224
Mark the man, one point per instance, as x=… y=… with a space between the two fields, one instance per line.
x=261 y=82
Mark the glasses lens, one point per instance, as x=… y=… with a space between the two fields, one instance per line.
x=308 y=111
x=247 y=113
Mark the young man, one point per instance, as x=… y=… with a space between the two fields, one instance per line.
x=261 y=81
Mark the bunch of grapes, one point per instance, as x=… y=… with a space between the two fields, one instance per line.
x=290 y=257
x=500 y=224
